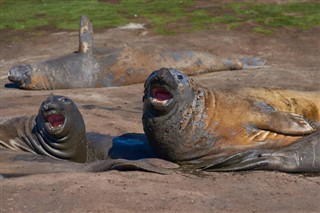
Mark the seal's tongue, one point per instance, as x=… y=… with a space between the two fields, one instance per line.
x=161 y=94
x=56 y=120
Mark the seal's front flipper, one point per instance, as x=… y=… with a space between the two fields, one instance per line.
x=85 y=35
x=286 y=123
x=302 y=156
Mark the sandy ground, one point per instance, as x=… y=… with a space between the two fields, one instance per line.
x=293 y=60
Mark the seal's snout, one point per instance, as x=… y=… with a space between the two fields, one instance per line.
x=48 y=105
x=163 y=74
x=56 y=103
x=169 y=76
x=20 y=73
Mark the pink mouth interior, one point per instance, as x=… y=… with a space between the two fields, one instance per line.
x=55 y=120
x=161 y=94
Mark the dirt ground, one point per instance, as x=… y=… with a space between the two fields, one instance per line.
x=293 y=63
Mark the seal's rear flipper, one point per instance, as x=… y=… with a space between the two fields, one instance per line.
x=247 y=160
x=85 y=35
x=302 y=156
x=148 y=165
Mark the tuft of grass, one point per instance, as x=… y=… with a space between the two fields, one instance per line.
x=262 y=30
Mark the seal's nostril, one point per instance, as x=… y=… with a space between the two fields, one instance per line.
x=45 y=106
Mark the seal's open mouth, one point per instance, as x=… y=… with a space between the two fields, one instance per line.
x=56 y=120
x=160 y=96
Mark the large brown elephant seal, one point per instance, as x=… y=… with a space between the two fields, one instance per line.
x=189 y=124
x=55 y=140
x=98 y=67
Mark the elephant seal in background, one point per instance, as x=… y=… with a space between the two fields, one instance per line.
x=90 y=67
x=58 y=131
x=189 y=124
x=55 y=140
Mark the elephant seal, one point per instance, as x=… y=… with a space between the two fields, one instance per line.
x=101 y=67
x=58 y=131
x=55 y=140
x=189 y=124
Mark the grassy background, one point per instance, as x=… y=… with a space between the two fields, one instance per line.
x=163 y=16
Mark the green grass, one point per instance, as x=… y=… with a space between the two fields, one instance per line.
x=295 y=15
x=164 y=16
x=29 y=14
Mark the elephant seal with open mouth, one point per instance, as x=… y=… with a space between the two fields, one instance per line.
x=91 y=67
x=189 y=124
x=58 y=131
x=55 y=140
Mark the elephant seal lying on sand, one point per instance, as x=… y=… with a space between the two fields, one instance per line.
x=90 y=67
x=58 y=131
x=189 y=124
x=55 y=140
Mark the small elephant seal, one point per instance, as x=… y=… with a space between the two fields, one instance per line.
x=189 y=124
x=55 y=140
x=58 y=131
x=91 y=67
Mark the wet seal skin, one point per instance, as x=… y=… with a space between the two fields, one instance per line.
x=91 y=67
x=55 y=140
x=189 y=124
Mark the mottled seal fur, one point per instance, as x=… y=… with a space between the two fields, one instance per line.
x=101 y=67
x=189 y=124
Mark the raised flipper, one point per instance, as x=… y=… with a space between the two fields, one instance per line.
x=302 y=156
x=85 y=35
x=16 y=163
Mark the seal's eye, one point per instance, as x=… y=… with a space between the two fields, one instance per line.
x=64 y=100
x=180 y=77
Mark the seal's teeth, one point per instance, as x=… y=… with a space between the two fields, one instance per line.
x=158 y=102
